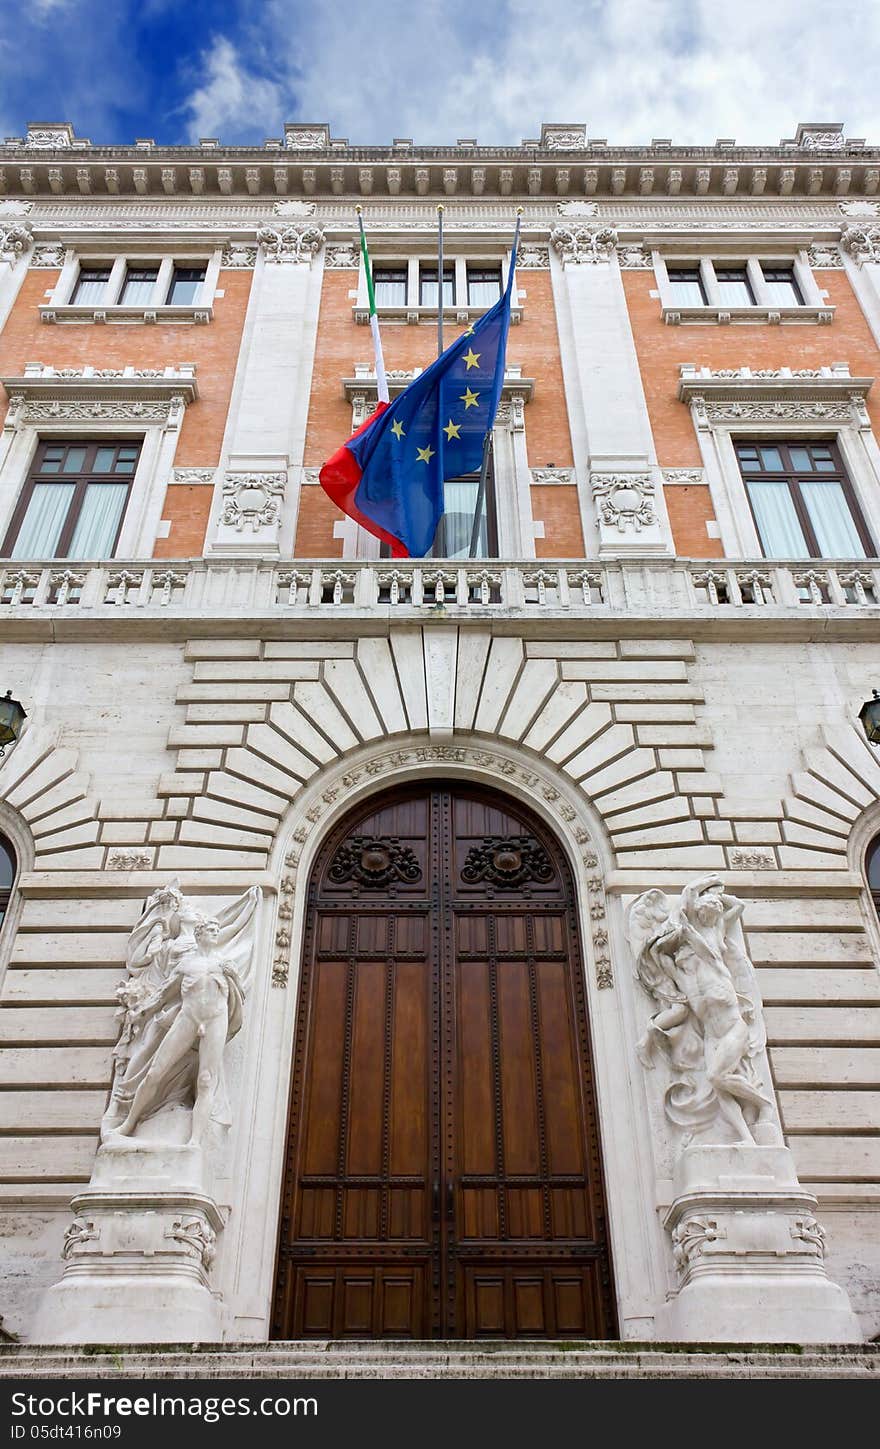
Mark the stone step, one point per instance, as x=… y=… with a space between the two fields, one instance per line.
x=394 y=1359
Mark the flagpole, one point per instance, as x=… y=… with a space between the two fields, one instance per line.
x=382 y=394
x=439 y=281
x=487 y=441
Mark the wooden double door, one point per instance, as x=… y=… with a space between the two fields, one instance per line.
x=443 y=1173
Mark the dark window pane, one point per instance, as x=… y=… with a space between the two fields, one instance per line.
x=801 y=459
x=91 y=285
x=779 y=530
x=46 y=515
x=185 y=286
x=75 y=460
x=52 y=460
x=688 y=286
x=733 y=286
x=7 y=866
x=104 y=458
x=873 y=864
x=484 y=286
x=98 y=522
x=428 y=287
x=831 y=518
x=771 y=460
x=137 y=289
x=389 y=285
x=782 y=288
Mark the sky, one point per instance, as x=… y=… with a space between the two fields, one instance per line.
x=437 y=70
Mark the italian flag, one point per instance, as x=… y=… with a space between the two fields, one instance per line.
x=341 y=474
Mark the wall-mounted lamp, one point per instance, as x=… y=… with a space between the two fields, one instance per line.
x=869 y=714
x=12 y=717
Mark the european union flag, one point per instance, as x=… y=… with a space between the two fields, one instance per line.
x=390 y=475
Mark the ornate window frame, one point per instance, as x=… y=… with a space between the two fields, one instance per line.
x=513 y=502
x=775 y=402
x=403 y=254
x=116 y=403
x=814 y=308
x=118 y=255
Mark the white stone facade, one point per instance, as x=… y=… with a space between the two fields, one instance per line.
x=209 y=720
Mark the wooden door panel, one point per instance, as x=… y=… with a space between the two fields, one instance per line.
x=443 y=1167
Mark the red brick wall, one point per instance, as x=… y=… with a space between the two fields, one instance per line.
x=556 y=505
x=690 y=507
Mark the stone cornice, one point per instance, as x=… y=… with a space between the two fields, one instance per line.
x=77 y=168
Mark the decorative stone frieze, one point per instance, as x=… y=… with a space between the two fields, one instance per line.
x=253 y=500
x=238 y=257
x=532 y=258
x=50 y=138
x=563 y=138
x=306 y=138
x=633 y=257
x=588 y=244
x=547 y=476
x=683 y=475
x=193 y=475
x=129 y=859
x=341 y=256
x=48 y=255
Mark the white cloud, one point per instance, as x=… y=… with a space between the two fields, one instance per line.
x=231 y=97
x=632 y=69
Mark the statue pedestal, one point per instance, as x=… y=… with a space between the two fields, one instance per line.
x=749 y=1253
x=137 y=1253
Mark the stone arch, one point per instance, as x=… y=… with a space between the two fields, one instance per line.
x=249 y=1260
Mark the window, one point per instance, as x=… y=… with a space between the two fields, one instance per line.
x=428 y=287
x=453 y=537
x=185 y=286
x=781 y=287
x=389 y=285
x=91 y=286
x=872 y=871
x=802 y=501
x=733 y=286
x=484 y=286
x=8 y=867
x=687 y=287
x=138 y=287
x=73 y=502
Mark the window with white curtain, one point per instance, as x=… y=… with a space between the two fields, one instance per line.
x=802 y=501
x=73 y=502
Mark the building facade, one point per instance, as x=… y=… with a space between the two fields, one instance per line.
x=462 y=820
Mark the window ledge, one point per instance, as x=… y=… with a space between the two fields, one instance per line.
x=674 y=316
x=415 y=315
x=771 y=385
x=70 y=312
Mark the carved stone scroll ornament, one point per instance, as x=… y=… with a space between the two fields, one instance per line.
x=374 y=861
x=708 y=1023
x=508 y=861
x=15 y=238
x=862 y=243
x=181 y=1002
x=624 y=500
x=290 y=243
x=584 y=244
x=252 y=500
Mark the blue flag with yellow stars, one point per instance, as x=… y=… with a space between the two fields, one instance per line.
x=390 y=475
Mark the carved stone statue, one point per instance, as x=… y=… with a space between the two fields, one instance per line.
x=182 y=1001
x=691 y=959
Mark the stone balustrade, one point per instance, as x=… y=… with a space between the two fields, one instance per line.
x=530 y=588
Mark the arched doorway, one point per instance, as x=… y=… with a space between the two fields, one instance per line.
x=443 y=1173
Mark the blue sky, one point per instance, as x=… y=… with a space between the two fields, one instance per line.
x=436 y=70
